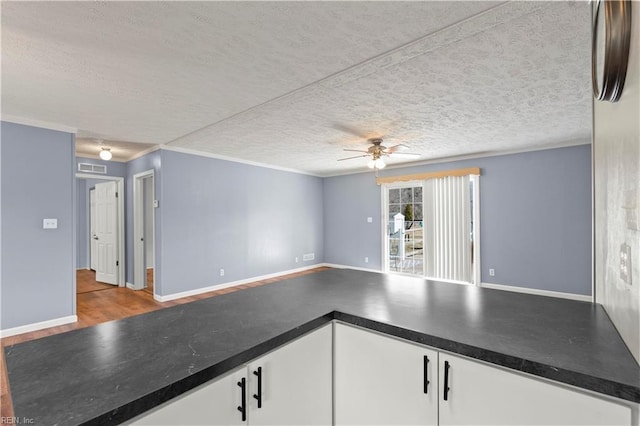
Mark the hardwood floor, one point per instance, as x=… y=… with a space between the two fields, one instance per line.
x=86 y=282
x=149 y=287
x=106 y=304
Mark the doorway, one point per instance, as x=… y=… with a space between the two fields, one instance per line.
x=144 y=204
x=100 y=232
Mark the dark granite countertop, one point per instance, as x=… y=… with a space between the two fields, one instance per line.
x=113 y=371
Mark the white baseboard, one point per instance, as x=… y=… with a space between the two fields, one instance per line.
x=130 y=286
x=337 y=266
x=38 y=326
x=550 y=293
x=197 y=291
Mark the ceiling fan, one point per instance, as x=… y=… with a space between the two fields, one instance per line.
x=377 y=151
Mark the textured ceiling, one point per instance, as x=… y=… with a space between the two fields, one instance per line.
x=291 y=84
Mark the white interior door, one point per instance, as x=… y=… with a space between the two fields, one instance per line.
x=93 y=258
x=106 y=232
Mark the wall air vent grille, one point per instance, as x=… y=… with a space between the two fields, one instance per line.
x=92 y=168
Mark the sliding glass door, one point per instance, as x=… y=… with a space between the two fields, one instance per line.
x=404 y=248
x=431 y=228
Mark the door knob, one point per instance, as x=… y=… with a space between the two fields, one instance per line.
x=95 y=237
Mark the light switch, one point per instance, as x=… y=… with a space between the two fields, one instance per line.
x=369 y=220
x=155 y=203
x=49 y=223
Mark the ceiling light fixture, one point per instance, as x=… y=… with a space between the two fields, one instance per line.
x=377 y=164
x=105 y=154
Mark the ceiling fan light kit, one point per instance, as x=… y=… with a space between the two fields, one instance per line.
x=377 y=151
x=377 y=164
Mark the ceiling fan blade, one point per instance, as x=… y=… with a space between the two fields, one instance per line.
x=403 y=154
x=396 y=148
x=351 y=158
x=354 y=150
x=351 y=130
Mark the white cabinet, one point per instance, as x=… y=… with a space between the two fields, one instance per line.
x=480 y=394
x=379 y=380
x=384 y=381
x=213 y=403
x=293 y=385
x=350 y=376
x=296 y=383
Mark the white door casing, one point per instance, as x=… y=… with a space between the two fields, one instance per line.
x=139 y=247
x=93 y=260
x=106 y=232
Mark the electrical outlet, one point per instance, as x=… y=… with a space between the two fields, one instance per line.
x=296 y=260
x=492 y=272
x=222 y=272
x=49 y=223
x=308 y=256
x=366 y=260
x=369 y=220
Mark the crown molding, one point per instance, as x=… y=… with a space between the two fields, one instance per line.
x=37 y=123
x=234 y=160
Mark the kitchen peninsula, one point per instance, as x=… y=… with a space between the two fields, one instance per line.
x=112 y=372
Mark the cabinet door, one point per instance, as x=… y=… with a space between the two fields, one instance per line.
x=214 y=403
x=295 y=383
x=380 y=380
x=480 y=394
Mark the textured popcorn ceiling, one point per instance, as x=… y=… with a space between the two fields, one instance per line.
x=291 y=84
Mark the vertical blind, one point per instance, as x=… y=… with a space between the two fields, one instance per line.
x=447 y=204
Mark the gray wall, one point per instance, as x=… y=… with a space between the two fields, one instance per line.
x=617 y=198
x=38 y=275
x=535 y=218
x=249 y=220
x=348 y=238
